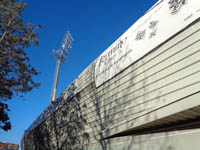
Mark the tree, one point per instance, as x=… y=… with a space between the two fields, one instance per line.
x=16 y=73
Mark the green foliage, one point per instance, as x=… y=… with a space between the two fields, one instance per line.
x=15 y=70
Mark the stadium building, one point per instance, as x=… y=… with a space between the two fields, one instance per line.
x=141 y=93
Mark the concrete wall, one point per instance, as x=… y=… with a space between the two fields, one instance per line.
x=168 y=141
x=164 y=83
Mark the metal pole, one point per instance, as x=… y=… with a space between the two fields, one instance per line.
x=61 y=58
x=53 y=93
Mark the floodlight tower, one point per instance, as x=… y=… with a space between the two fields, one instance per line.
x=61 y=55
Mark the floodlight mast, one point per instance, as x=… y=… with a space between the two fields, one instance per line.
x=61 y=55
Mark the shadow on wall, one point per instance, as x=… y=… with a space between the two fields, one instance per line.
x=64 y=129
x=114 y=109
x=110 y=106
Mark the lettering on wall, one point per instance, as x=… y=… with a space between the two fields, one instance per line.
x=154 y=28
x=175 y=5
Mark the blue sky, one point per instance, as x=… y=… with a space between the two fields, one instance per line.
x=94 y=26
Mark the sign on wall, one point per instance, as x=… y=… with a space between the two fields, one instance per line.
x=163 y=21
